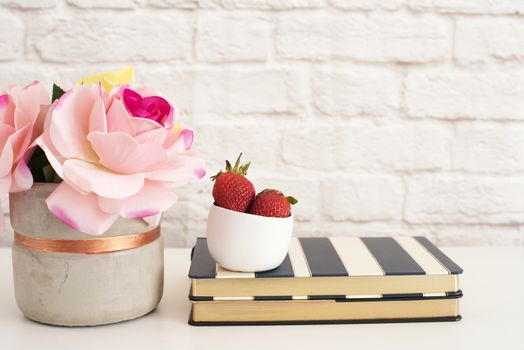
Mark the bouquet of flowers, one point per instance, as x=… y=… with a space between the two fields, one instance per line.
x=115 y=148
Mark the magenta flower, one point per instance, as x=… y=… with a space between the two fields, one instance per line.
x=152 y=107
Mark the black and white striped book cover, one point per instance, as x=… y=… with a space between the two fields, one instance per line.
x=340 y=257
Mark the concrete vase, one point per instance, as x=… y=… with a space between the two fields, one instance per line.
x=70 y=289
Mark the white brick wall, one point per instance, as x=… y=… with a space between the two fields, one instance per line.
x=364 y=37
x=381 y=117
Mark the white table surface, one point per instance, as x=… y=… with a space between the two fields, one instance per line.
x=492 y=309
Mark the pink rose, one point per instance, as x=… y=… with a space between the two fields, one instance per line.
x=116 y=155
x=22 y=111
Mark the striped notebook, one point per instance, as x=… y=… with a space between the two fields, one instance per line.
x=334 y=268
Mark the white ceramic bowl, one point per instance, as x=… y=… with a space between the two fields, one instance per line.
x=245 y=242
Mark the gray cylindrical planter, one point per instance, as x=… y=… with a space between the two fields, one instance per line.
x=71 y=289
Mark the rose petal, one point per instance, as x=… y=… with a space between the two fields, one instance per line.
x=54 y=157
x=47 y=116
x=118 y=118
x=22 y=179
x=121 y=153
x=38 y=127
x=7 y=109
x=178 y=169
x=157 y=135
x=6 y=158
x=28 y=100
x=142 y=125
x=170 y=119
x=97 y=118
x=152 y=199
x=156 y=108
x=179 y=141
x=94 y=178
x=70 y=123
x=5 y=132
x=78 y=211
x=20 y=141
x=131 y=100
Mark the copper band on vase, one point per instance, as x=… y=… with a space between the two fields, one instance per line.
x=102 y=245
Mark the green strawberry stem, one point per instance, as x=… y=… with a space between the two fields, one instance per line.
x=237 y=169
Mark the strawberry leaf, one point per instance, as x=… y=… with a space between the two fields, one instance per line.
x=237 y=163
x=214 y=177
x=244 y=168
x=291 y=200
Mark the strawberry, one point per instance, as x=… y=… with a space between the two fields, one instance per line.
x=272 y=203
x=231 y=189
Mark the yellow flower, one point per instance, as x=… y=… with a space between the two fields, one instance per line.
x=110 y=79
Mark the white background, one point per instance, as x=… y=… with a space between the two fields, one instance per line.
x=381 y=117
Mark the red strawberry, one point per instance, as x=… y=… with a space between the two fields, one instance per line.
x=272 y=203
x=231 y=189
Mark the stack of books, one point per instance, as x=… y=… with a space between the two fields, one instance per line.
x=330 y=280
